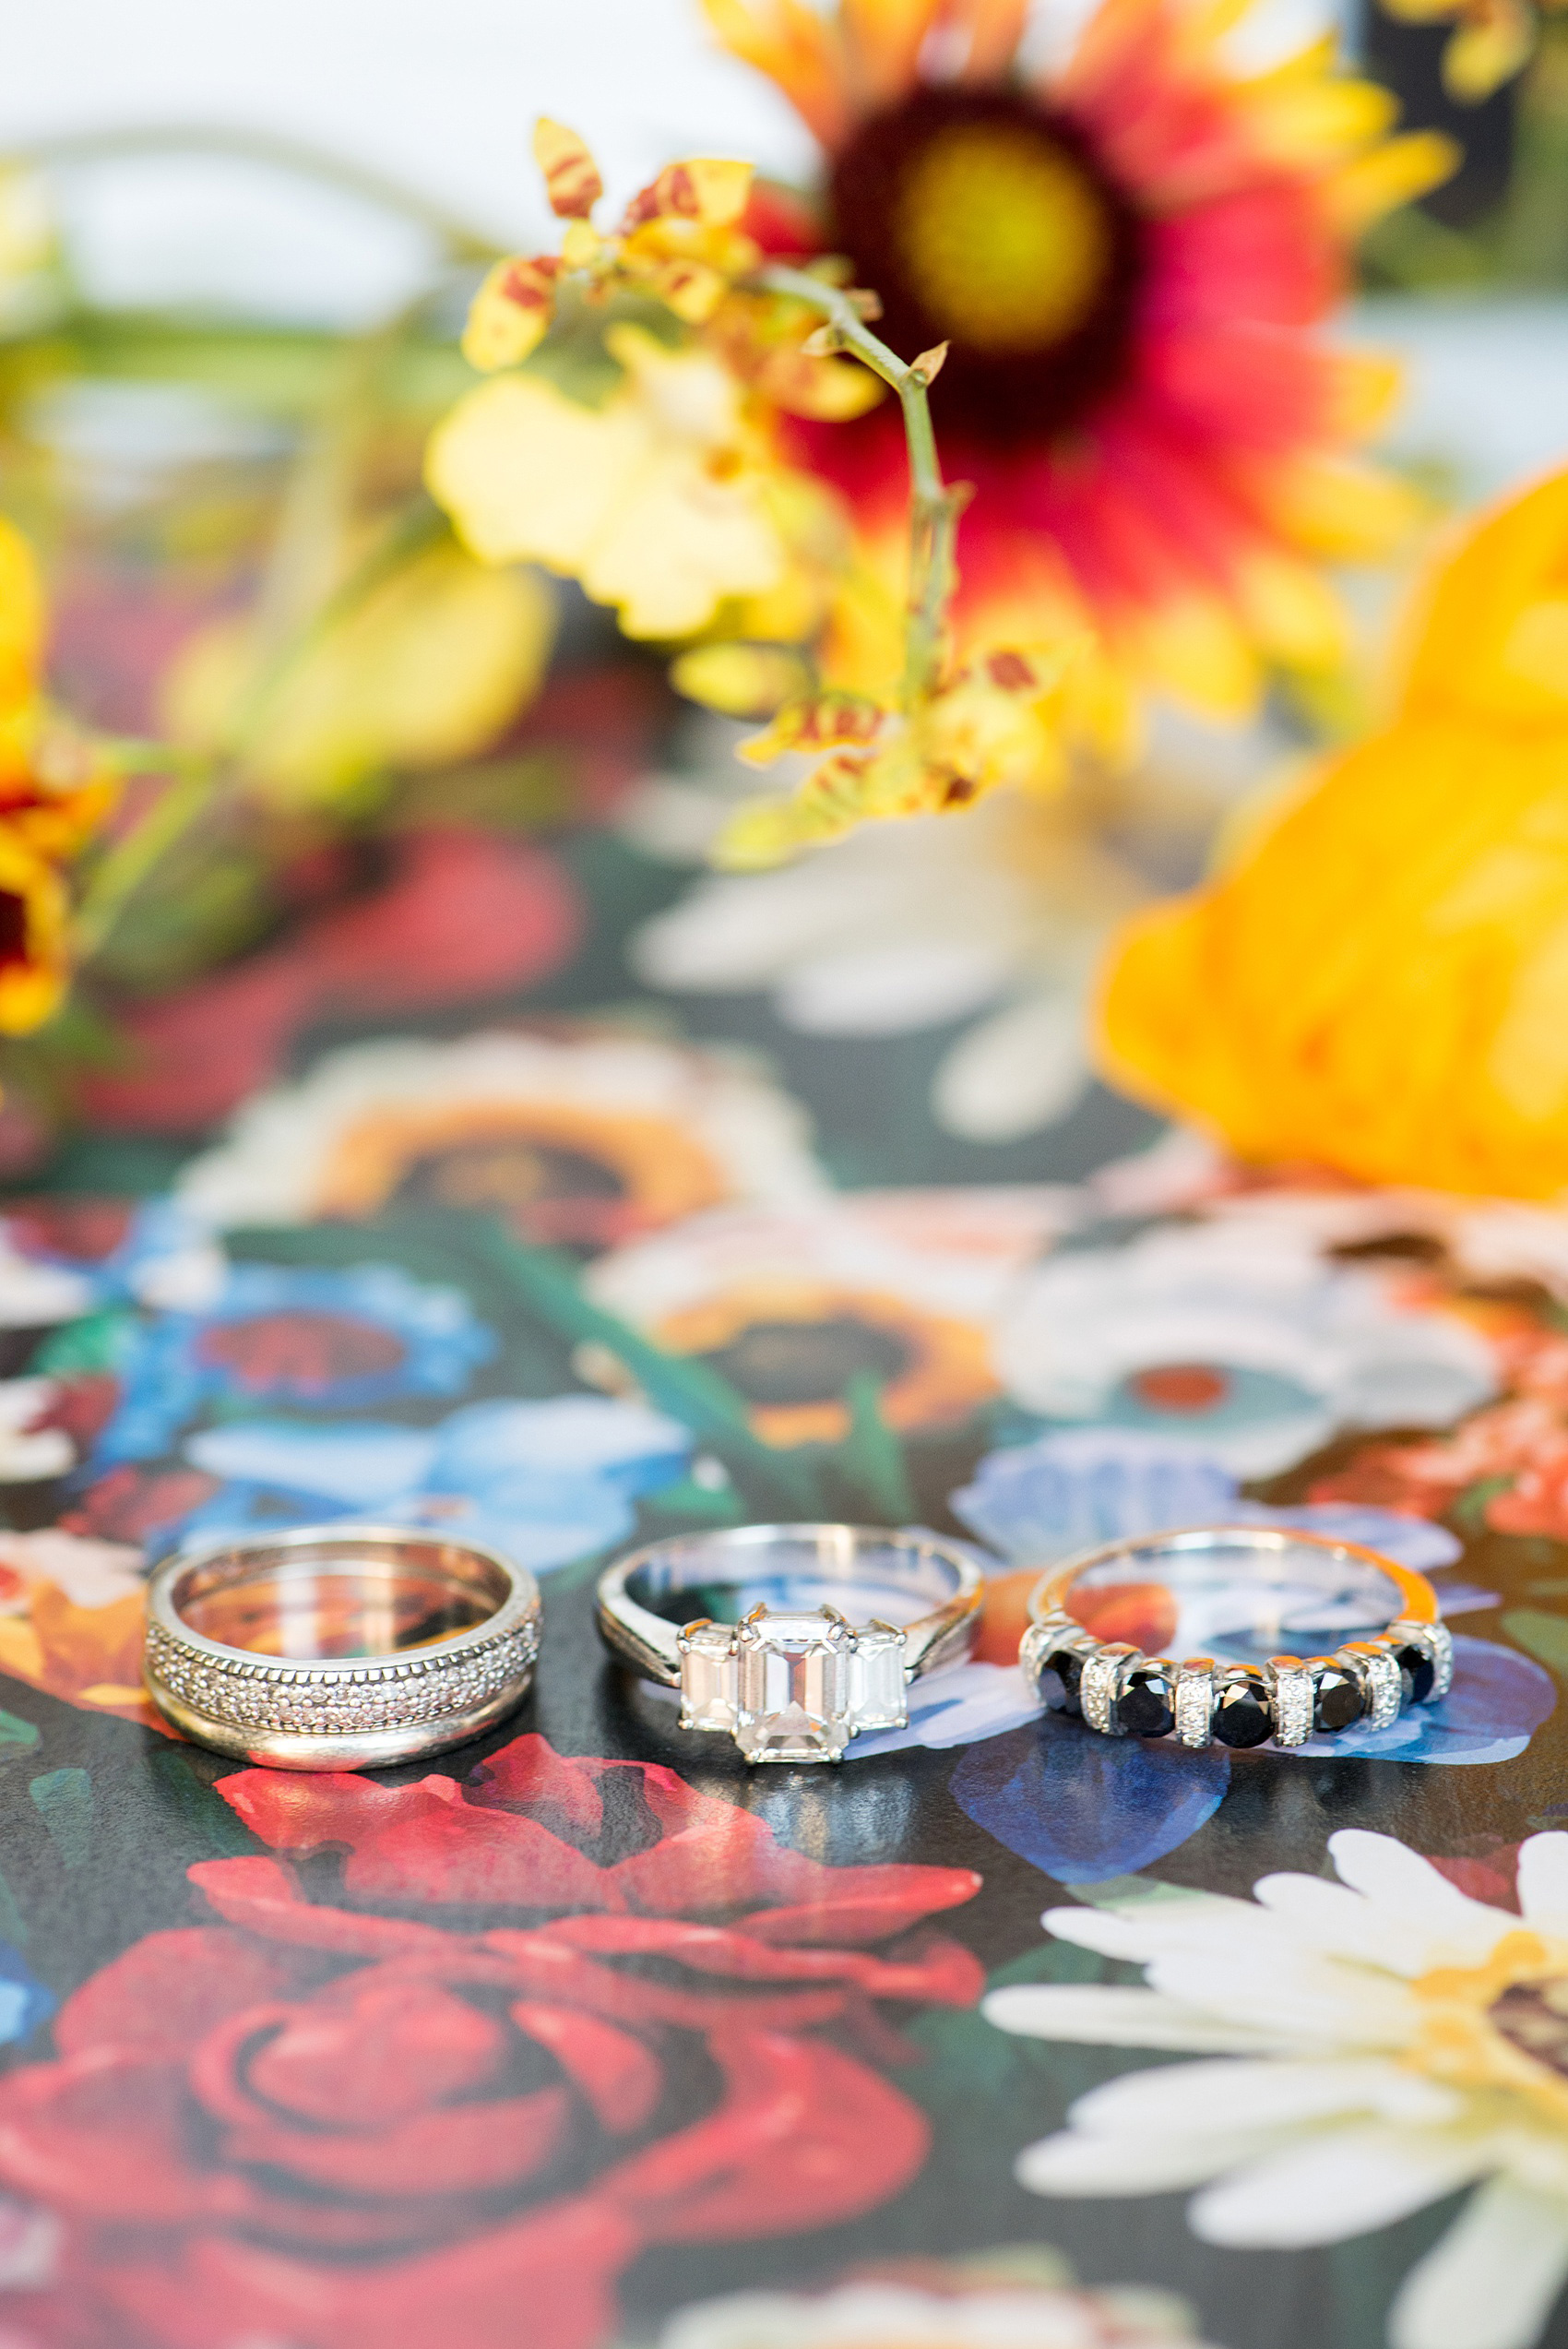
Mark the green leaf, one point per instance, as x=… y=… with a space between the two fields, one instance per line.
x=872 y=1456
x=91 y=1344
x=17 y=1736
x=64 y=1800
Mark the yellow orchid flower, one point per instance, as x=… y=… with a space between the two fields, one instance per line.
x=663 y=493
x=996 y=722
x=427 y=670
x=654 y=501
x=1379 y=982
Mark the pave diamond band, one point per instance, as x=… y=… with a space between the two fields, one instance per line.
x=1118 y=1690
x=338 y=1647
x=793 y=1682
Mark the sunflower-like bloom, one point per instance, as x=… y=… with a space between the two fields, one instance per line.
x=653 y=479
x=54 y=793
x=1127 y=260
x=1379 y=982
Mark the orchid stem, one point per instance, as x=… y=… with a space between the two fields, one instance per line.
x=123 y=870
x=935 y=507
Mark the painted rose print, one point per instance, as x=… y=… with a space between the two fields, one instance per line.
x=325 y=2115
x=1362 y=2049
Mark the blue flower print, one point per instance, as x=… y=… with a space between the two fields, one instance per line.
x=546 y=1482
x=274 y=1335
x=1077 y=1486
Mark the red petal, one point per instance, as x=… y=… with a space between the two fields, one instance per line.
x=262 y=1896
x=466 y=2149
x=559 y=2264
x=621 y=2079
x=165 y=1993
x=806 y=2136
x=528 y=1774
x=368 y=2053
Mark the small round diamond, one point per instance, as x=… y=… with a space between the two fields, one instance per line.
x=1147 y=1706
x=1059 y=1679
x=1242 y=1715
x=1338 y=1697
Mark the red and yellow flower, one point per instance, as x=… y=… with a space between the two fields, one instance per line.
x=1127 y=259
x=54 y=793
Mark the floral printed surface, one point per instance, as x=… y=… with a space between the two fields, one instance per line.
x=587 y=2036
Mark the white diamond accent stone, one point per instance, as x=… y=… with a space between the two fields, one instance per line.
x=1097 y=1687
x=709 y=1676
x=1194 y=1701
x=879 y=1694
x=1292 y=1689
x=1438 y=1640
x=1379 y=1676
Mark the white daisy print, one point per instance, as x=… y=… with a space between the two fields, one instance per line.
x=1364 y=2048
x=579 y=1140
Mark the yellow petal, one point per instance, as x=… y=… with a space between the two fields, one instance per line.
x=571 y=175
x=1493 y=42
x=510 y=313
x=991 y=30
x=742 y=680
x=34 y=905
x=1485 y=637
x=427 y=670
x=1293 y=613
x=21 y=618
x=826 y=721
x=1196 y=651
x=1398 y=173
x=708 y=189
x=1335 y=505
x=1382 y=983
x=885 y=39
x=629 y=498
x=796 y=48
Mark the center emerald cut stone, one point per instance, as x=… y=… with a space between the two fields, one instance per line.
x=793 y=1687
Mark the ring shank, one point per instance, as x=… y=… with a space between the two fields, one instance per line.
x=338 y=1648
x=1273 y=1552
x=869 y=1556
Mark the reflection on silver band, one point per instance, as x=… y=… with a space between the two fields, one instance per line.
x=338 y=1647
x=793 y=1683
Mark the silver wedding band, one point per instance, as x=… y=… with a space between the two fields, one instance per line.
x=793 y=1684
x=340 y=1647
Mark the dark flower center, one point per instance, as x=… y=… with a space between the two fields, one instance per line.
x=1534 y=2015
x=984 y=222
x=309 y=1352
x=781 y=1362
x=510 y=1171
x=13 y=931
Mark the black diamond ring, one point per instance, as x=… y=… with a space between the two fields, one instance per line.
x=1278 y=1577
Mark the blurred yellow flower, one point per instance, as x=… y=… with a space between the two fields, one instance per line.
x=1491 y=40
x=34 y=957
x=55 y=792
x=654 y=501
x=1380 y=982
x=426 y=670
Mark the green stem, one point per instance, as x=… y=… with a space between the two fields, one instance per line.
x=935 y=507
x=120 y=873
